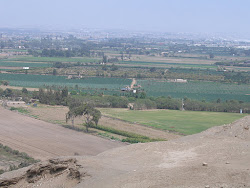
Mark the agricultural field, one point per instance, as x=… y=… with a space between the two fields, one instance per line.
x=35 y=81
x=55 y=59
x=39 y=62
x=209 y=91
x=114 y=128
x=180 y=58
x=24 y=64
x=166 y=64
x=183 y=60
x=185 y=122
x=186 y=58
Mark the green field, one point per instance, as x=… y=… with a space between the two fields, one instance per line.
x=23 y=64
x=185 y=122
x=6 y=69
x=36 y=81
x=153 y=64
x=209 y=91
x=56 y=59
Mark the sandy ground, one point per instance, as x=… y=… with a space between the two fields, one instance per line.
x=56 y=114
x=43 y=140
x=216 y=158
x=224 y=151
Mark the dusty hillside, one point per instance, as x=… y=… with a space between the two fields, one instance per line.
x=218 y=157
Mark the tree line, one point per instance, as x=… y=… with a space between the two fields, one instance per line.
x=140 y=101
x=136 y=101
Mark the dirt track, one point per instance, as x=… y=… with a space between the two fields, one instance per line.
x=43 y=140
x=133 y=83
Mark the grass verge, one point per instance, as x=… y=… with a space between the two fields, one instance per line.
x=131 y=137
x=20 y=110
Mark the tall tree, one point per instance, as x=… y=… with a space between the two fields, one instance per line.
x=89 y=113
x=54 y=72
x=65 y=92
x=104 y=59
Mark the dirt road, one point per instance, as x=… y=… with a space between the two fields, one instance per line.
x=43 y=140
x=133 y=83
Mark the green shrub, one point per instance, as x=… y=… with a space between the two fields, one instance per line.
x=119 y=132
x=140 y=140
x=13 y=108
x=1 y=171
x=131 y=137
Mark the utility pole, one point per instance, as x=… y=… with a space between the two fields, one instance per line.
x=182 y=105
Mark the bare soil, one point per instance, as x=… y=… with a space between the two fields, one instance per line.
x=42 y=140
x=216 y=158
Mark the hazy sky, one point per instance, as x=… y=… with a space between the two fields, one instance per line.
x=154 y=15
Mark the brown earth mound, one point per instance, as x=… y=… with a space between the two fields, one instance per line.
x=239 y=129
x=63 y=172
x=218 y=157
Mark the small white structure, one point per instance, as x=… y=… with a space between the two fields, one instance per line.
x=26 y=68
x=15 y=103
x=131 y=106
x=177 y=80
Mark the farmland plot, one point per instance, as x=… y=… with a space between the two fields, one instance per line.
x=185 y=122
x=24 y=64
x=27 y=80
x=209 y=91
x=56 y=59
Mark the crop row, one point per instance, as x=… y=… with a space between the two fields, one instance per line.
x=22 y=64
x=55 y=59
x=28 y=80
x=169 y=64
x=209 y=91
